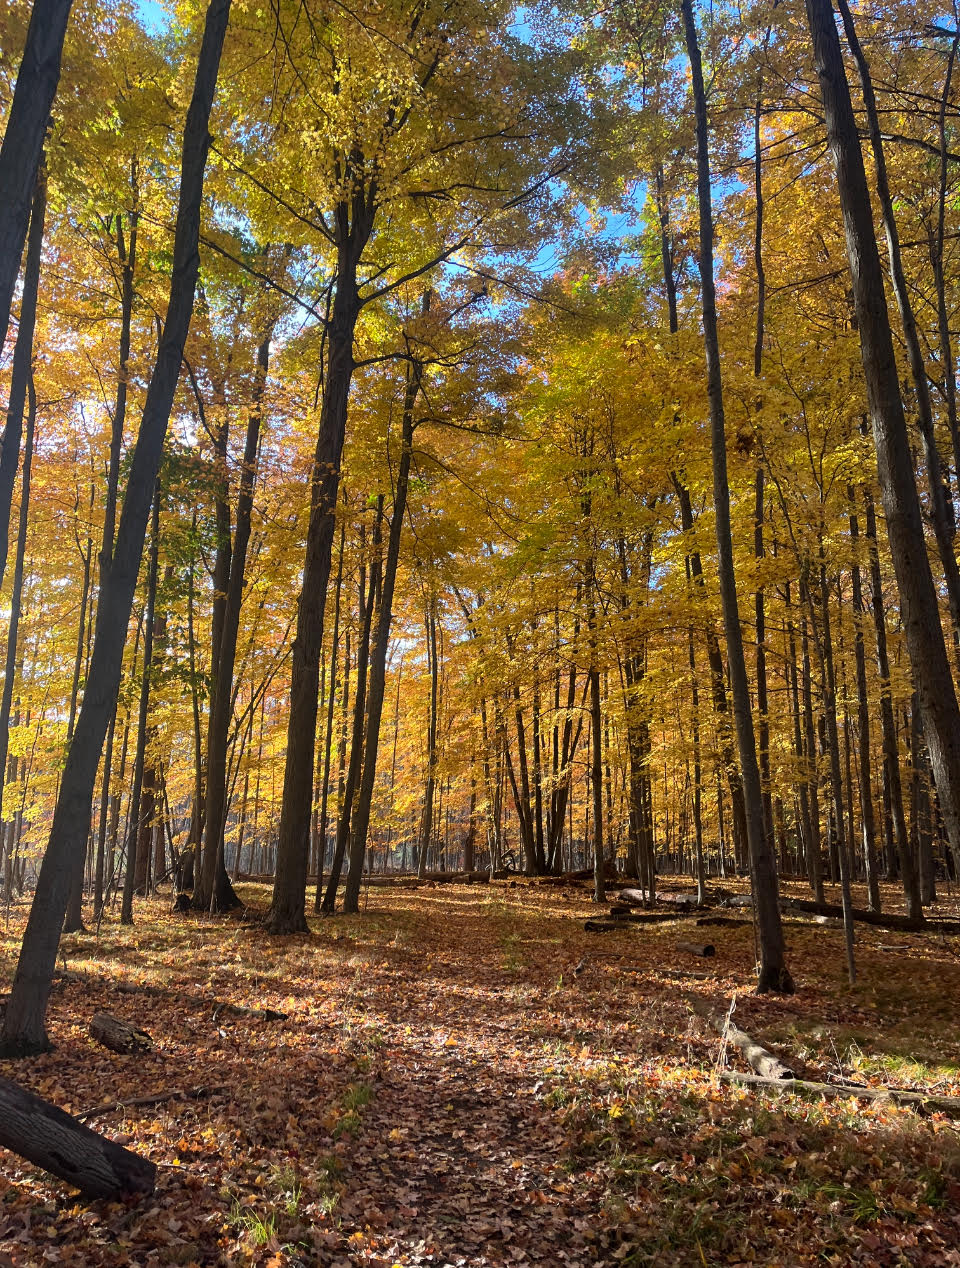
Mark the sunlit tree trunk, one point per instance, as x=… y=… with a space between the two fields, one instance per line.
x=918 y=598
x=773 y=969
x=21 y=152
x=24 y=1028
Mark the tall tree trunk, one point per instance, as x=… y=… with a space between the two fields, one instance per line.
x=434 y=661
x=73 y=921
x=135 y=816
x=863 y=729
x=22 y=148
x=20 y=371
x=24 y=1020
x=773 y=969
x=381 y=643
x=940 y=513
x=214 y=891
x=918 y=598
x=21 y=394
x=891 y=753
x=352 y=780
x=328 y=732
x=355 y=223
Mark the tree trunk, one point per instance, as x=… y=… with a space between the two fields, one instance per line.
x=22 y=148
x=918 y=598
x=352 y=780
x=427 y=821
x=214 y=891
x=773 y=969
x=23 y=1026
x=328 y=732
x=891 y=753
x=355 y=222
x=135 y=816
x=21 y=393
x=49 y=1138
x=381 y=642
x=863 y=731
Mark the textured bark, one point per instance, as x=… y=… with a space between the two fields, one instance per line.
x=50 y=1138
x=940 y=513
x=24 y=1021
x=918 y=598
x=22 y=148
x=773 y=969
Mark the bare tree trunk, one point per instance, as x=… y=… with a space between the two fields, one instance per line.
x=354 y=222
x=863 y=729
x=22 y=150
x=940 y=514
x=381 y=642
x=24 y=1027
x=427 y=822
x=135 y=815
x=774 y=974
x=918 y=598
x=352 y=781
x=21 y=394
x=214 y=891
x=328 y=733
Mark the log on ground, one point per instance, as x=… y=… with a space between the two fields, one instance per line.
x=52 y=1139
x=697 y=948
x=117 y=1035
x=920 y=1101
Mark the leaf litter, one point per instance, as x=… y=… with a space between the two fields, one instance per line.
x=465 y=1077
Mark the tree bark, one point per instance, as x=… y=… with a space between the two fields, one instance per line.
x=381 y=642
x=24 y=1021
x=774 y=974
x=50 y=1138
x=354 y=224
x=214 y=891
x=135 y=816
x=22 y=148
x=918 y=598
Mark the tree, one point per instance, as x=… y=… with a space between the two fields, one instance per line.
x=23 y=1024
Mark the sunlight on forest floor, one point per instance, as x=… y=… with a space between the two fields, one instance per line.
x=466 y=1077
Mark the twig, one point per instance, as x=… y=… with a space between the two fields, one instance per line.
x=157 y=1098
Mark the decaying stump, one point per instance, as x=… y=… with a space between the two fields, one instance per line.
x=50 y=1138
x=118 y=1035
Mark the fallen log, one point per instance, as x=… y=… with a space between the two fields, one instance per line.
x=697 y=948
x=52 y=1139
x=921 y=1102
x=241 y=1010
x=117 y=1035
x=755 y=1055
x=156 y=1098
x=880 y=920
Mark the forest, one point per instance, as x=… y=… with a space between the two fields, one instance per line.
x=478 y=516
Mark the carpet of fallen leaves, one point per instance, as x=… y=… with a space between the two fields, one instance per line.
x=466 y=1077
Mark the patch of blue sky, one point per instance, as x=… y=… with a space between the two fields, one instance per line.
x=156 y=15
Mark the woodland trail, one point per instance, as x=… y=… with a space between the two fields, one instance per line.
x=465 y=1077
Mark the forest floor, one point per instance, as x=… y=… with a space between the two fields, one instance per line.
x=467 y=1077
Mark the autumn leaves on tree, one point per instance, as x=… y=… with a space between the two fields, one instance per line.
x=444 y=441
